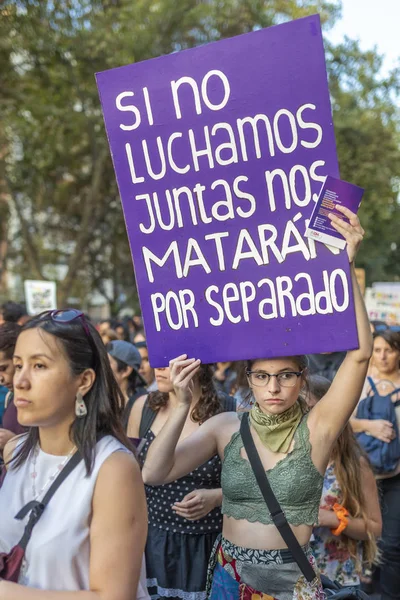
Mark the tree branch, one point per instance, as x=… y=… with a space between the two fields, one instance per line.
x=32 y=254
x=92 y=213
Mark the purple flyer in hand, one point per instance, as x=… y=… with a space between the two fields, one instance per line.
x=334 y=191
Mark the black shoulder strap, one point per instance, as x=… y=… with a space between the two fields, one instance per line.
x=277 y=515
x=36 y=508
x=127 y=412
x=148 y=416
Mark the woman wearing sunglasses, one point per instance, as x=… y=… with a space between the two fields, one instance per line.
x=252 y=560
x=90 y=538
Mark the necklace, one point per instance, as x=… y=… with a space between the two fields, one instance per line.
x=52 y=477
x=24 y=566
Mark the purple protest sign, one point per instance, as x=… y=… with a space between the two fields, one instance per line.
x=220 y=153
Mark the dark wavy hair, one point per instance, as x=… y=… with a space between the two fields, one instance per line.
x=209 y=403
x=104 y=401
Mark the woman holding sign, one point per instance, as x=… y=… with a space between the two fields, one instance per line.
x=294 y=448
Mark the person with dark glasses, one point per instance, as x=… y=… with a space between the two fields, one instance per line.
x=91 y=536
x=294 y=446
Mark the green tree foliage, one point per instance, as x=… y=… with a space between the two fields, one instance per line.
x=366 y=118
x=55 y=168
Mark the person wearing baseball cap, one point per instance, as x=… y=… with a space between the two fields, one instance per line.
x=125 y=361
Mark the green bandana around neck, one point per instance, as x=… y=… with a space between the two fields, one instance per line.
x=276 y=432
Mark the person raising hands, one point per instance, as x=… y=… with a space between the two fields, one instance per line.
x=294 y=446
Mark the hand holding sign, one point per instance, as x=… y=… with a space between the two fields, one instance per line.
x=183 y=370
x=352 y=231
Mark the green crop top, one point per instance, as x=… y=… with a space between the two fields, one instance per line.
x=295 y=481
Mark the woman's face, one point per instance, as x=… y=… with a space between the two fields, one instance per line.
x=6 y=371
x=44 y=385
x=163 y=380
x=275 y=398
x=164 y=384
x=145 y=369
x=120 y=332
x=385 y=358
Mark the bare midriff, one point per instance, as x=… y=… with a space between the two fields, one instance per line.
x=259 y=536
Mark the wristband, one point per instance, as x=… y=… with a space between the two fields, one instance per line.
x=342 y=514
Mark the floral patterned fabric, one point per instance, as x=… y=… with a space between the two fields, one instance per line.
x=331 y=552
x=277 y=575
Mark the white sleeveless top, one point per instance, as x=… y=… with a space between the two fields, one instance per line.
x=58 y=553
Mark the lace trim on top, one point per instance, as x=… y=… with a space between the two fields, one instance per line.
x=294 y=479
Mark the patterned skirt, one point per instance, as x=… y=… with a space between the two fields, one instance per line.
x=237 y=573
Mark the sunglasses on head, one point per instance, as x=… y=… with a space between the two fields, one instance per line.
x=67 y=315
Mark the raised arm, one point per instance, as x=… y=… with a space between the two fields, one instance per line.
x=166 y=459
x=331 y=413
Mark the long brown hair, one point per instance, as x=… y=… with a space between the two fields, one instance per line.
x=209 y=403
x=349 y=458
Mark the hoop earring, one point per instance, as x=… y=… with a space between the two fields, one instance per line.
x=80 y=406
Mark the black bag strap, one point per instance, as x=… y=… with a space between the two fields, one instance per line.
x=147 y=420
x=276 y=512
x=36 y=508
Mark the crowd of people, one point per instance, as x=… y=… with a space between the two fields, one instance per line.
x=160 y=499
